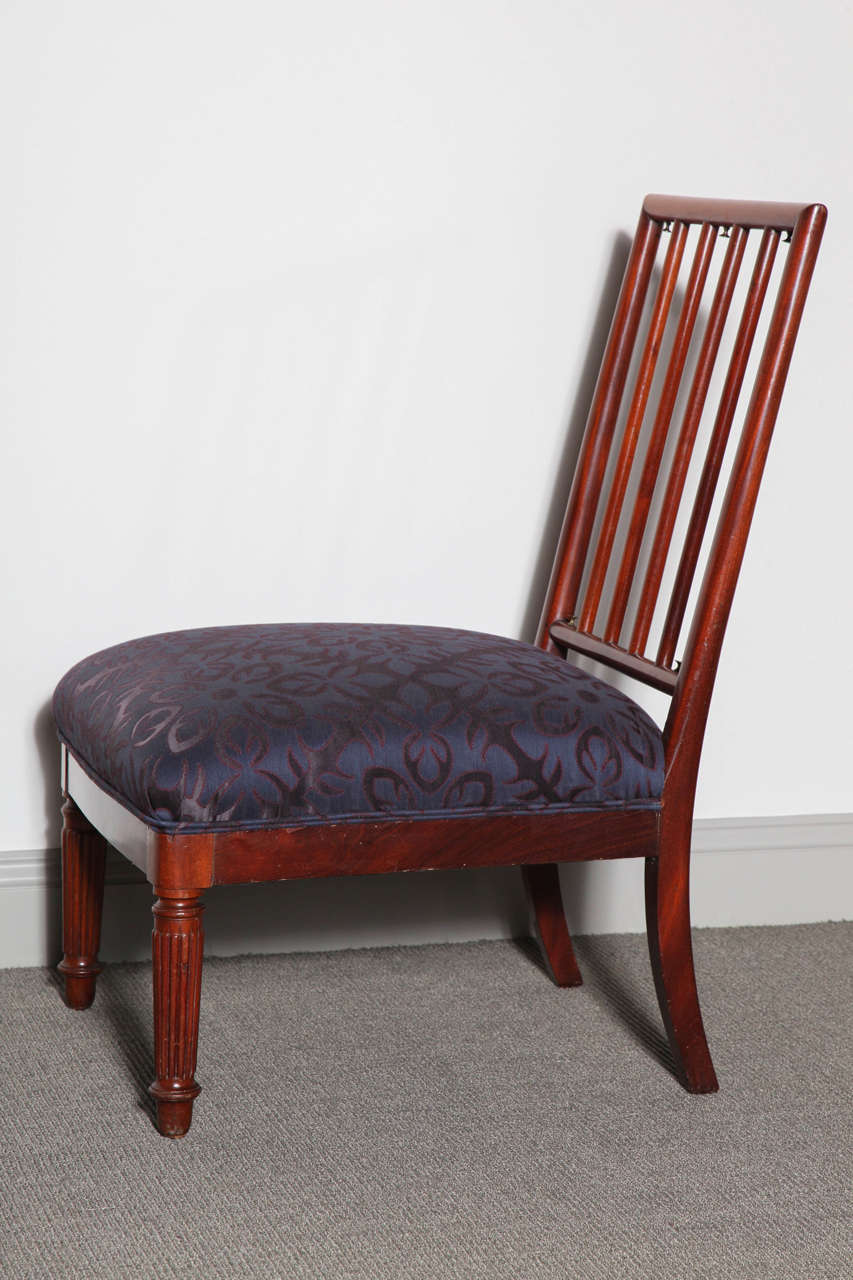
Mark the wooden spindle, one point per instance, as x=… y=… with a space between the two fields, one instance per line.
x=636 y=413
x=657 y=439
x=717 y=446
x=687 y=438
x=685 y=723
x=589 y=474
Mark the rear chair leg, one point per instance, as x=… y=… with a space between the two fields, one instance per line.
x=177 y=944
x=671 y=951
x=543 y=889
x=83 y=855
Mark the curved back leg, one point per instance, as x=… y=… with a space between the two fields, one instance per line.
x=671 y=951
x=542 y=883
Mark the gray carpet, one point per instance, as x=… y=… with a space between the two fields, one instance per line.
x=440 y=1112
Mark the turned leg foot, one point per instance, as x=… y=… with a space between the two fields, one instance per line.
x=174 y=1118
x=83 y=857
x=177 y=942
x=546 y=898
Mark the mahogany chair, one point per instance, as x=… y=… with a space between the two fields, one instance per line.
x=254 y=753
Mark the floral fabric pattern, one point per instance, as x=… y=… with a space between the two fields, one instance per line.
x=262 y=726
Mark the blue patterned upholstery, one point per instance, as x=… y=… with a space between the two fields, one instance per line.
x=262 y=726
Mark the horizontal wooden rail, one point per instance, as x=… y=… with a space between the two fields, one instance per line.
x=724 y=213
x=630 y=664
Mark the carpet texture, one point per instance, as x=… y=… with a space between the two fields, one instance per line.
x=440 y=1113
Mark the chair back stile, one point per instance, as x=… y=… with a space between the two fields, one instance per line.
x=613 y=631
x=689 y=710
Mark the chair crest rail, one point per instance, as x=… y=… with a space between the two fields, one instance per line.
x=752 y=214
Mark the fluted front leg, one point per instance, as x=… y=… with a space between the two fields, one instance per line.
x=83 y=856
x=178 y=942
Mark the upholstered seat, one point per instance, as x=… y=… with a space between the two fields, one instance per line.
x=258 y=726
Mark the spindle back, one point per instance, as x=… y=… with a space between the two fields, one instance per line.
x=629 y=487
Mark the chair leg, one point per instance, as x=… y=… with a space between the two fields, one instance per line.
x=83 y=856
x=543 y=889
x=177 y=946
x=671 y=951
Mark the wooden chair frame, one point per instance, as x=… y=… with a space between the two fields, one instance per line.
x=181 y=867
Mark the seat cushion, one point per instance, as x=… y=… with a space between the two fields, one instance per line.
x=261 y=726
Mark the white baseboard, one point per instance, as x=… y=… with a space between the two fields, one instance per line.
x=788 y=870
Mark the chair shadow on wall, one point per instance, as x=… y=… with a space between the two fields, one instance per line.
x=47 y=747
x=577 y=876
x=576 y=884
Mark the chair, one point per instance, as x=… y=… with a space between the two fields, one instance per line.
x=254 y=753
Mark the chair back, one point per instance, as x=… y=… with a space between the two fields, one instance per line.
x=650 y=463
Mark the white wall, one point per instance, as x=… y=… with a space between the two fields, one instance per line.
x=296 y=308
